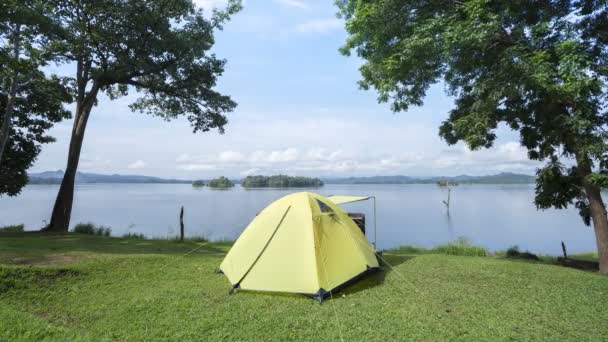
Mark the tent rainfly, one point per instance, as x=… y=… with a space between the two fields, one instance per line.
x=349 y=199
x=301 y=243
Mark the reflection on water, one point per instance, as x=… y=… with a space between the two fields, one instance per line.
x=495 y=216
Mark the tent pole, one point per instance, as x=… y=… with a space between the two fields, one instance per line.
x=375 y=241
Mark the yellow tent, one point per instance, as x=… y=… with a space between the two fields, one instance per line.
x=301 y=243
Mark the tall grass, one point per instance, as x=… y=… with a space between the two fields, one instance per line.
x=134 y=236
x=199 y=238
x=18 y=228
x=92 y=229
x=459 y=247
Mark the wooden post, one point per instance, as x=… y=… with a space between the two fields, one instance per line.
x=564 y=250
x=181 y=224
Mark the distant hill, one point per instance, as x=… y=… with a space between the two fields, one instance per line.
x=501 y=178
x=373 y=180
x=54 y=177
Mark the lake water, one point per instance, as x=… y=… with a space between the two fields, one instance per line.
x=495 y=216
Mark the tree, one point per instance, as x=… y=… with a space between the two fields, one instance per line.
x=540 y=67
x=159 y=48
x=37 y=107
x=280 y=181
x=30 y=102
x=221 y=183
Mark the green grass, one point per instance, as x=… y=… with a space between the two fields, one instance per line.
x=84 y=287
x=592 y=256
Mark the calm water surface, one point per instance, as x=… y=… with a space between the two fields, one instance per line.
x=495 y=216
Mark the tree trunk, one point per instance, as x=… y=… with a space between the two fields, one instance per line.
x=598 y=211
x=60 y=218
x=5 y=130
x=600 y=223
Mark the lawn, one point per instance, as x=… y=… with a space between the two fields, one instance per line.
x=78 y=287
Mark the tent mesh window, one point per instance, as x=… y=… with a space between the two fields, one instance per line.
x=324 y=207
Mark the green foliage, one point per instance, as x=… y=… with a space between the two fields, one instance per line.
x=514 y=253
x=37 y=109
x=18 y=228
x=158 y=48
x=280 y=181
x=221 y=183
x=121 y=286
x=92 y=229
x=198 y=183
x=27 y=29
x=559 y=187
x=539 y=67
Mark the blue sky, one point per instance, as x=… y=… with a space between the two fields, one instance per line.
x=300 y=112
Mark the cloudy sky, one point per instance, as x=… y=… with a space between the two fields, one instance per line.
x=300 y=112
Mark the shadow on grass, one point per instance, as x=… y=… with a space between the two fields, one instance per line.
x=12 y=278
x=370 y=279
x=394 y=260
x=374 y=278
x=249 y=293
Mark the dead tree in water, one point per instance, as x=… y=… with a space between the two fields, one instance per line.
x=446 y=184
x=447 y=203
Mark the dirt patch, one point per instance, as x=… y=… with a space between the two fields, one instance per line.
x=45 y=260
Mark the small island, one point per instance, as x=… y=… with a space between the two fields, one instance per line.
x=280 y=181
x=444 y=183
x=198 y=183
x=221 y=183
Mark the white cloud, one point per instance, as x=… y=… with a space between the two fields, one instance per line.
x=95 y=162
x=315 y=160
x=197 y=167
x=290 y=154
x=323 y=142
x=278 y=156
x=184 y=157
x=292 y=3
x=323 y=154
x=250 y=172
x=231 y=156
x=138 y=164
x=513 y=151
x=509 y=156
x=320 y=25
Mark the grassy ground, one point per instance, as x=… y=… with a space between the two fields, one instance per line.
x=77 y=287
